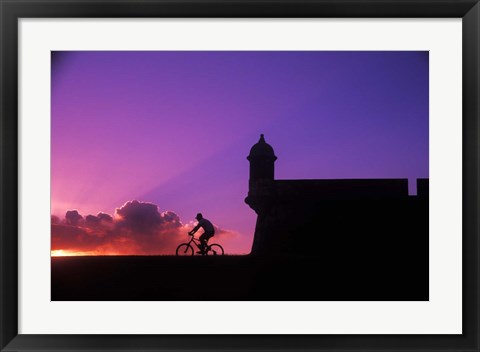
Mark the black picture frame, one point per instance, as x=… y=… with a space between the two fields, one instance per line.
x=12 y=10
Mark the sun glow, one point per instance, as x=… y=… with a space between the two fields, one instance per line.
x=69 y=253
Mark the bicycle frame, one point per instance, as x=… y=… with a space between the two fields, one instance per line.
x=196 y=241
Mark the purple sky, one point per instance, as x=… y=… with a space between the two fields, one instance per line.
x=174 y=128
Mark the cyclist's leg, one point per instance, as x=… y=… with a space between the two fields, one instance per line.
x=203 y=241
x=207 y=236
x=210 y=235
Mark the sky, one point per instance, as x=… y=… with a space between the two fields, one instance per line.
x=144 y=140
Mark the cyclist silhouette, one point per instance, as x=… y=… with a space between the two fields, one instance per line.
x=208 y=231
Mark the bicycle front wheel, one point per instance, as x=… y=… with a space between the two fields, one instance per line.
x=215 y=249
x=184 y=250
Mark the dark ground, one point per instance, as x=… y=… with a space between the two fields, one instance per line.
x=233 y=278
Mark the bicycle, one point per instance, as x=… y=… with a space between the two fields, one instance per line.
x=186 y=249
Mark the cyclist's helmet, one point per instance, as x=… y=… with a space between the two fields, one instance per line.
x=199 y=216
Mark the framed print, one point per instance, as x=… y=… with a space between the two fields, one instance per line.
x=249 y=175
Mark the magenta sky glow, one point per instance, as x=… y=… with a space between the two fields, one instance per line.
x=174 y=128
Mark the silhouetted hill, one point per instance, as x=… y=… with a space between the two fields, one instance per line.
x=232 y=278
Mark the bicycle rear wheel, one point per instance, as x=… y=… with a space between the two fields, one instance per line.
x=184 y=250
x=215 y=249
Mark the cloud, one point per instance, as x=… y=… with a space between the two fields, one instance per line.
x=55 y=219
x=138 y=216
x=72 y=217
x=105 y=217
x=92 y=220
x=137 y=228
x=170 y=219
x=99 y=222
